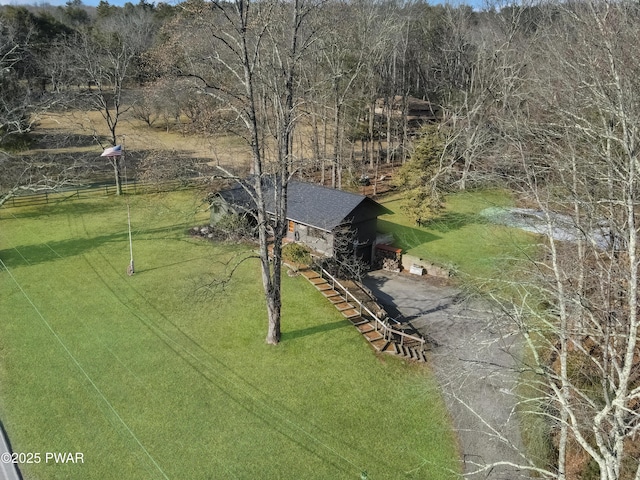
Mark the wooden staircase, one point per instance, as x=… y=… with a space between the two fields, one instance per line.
x=378 y=332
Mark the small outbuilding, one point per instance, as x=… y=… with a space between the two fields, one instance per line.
x=416 y=111
x=320 y=217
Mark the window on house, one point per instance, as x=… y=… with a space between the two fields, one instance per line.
x=316 y=233
x=292 y=226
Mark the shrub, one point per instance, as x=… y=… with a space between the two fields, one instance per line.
x=297 y=253
x=235 y=227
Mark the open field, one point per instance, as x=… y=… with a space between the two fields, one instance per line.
x=81 y=126
x=73 y=133
x=148 y=380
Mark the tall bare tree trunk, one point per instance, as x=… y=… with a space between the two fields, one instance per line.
x=337 y=167
x=372 y=117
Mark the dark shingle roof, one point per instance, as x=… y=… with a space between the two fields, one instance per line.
x=314 y=205
x=326 y=208
x=238 y=197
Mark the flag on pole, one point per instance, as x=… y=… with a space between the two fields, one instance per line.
x=112 y=152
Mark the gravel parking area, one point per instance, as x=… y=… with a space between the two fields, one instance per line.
x=473 y=359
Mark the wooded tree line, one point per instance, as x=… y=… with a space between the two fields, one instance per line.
x=541 y=99
x=103 y=58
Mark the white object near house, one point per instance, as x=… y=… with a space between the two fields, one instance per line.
x=416 y=270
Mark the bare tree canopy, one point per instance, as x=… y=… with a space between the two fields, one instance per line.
x=246 y=56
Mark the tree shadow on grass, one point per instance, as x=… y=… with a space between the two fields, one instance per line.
x=46 y=252
x=406 y=237
x=450 y=221
x=35 y=254
x=59 y=205
x=54 y=140
x=174 y=264
x=305 y=332
x=411 y=237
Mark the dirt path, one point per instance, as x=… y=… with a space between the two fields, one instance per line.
x=472 y=359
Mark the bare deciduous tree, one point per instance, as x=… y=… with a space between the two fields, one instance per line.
x=15 y=97
x=39 y=173
x=250 y=62
x=102 y=60
x=576 y=141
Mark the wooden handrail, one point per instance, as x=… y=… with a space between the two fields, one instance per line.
x=387 y=329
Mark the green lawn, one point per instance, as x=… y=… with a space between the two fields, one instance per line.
x=460 y=238
x=149 y=380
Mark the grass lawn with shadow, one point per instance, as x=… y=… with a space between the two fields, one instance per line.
x=460 y=238
x=149 y=379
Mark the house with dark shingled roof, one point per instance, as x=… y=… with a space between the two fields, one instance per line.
x=317 y=215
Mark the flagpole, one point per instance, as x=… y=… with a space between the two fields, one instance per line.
x=130 y=268
x=119 y=151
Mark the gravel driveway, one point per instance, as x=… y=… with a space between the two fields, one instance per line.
x=472 y=359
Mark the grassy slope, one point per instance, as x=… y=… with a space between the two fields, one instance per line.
x=459 y=238
x=136 y=365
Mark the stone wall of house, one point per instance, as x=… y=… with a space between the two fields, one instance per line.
x=428 y=268
x=315 y=239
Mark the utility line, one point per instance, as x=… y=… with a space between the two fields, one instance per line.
x=104 y=345
x=178 y=347
x=84 y=372
x=207 y=370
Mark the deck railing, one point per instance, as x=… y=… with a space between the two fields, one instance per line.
x=388 y=331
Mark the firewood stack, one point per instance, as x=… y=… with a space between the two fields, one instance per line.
x=391 y=264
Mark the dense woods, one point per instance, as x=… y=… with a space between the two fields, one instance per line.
x=540 y=99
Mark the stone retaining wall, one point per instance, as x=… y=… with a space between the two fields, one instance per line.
x=428 y=268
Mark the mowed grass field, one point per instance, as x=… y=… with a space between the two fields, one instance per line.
x=148 y=380
x=460 y=238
